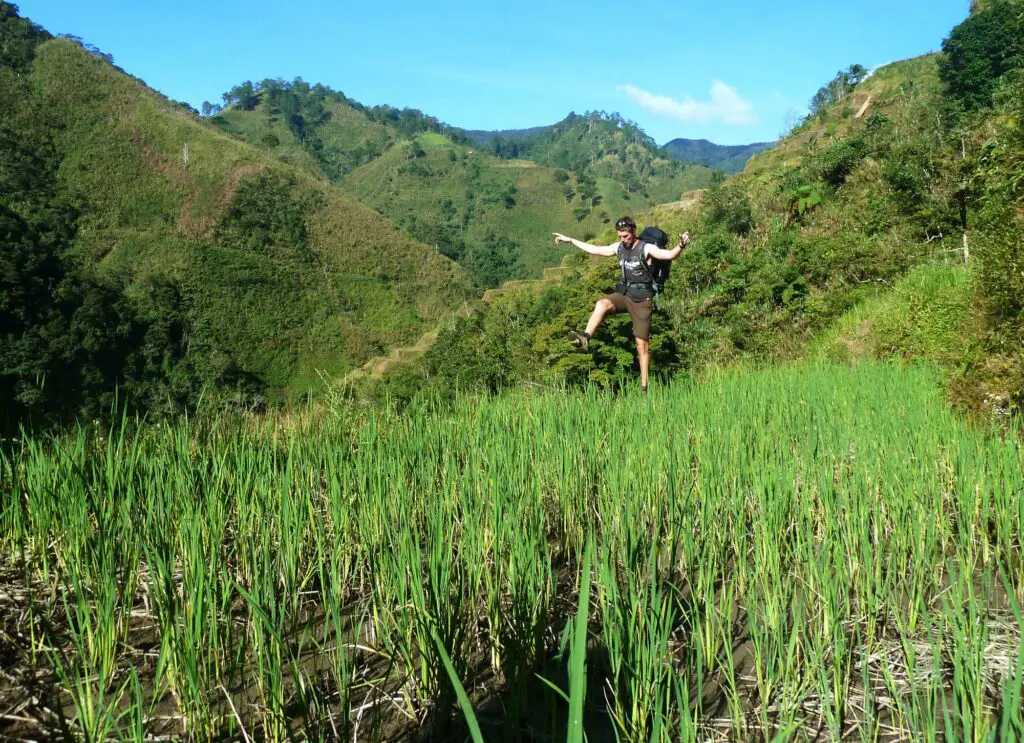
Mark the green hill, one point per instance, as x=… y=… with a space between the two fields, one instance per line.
x=727 y=158
x=601 y=145
x=193 y=259
x=494 y=216
x=317 y=127
x=485 y=138
x=854 y=229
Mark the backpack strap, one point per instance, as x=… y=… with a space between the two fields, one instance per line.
x=643 y=264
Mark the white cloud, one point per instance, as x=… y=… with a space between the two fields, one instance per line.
x=726 y=105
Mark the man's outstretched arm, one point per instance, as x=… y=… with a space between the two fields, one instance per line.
x=664 y=254
x=603 y=250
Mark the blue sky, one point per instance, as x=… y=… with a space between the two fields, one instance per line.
x=731 y=71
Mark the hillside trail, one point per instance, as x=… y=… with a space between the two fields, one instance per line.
x=378 y=366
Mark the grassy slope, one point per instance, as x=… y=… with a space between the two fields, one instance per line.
x=406 y=188
x=147 y=215
x=348 y=136
x=901 y=90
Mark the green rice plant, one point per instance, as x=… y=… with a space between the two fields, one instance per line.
x=467 y=706
x=578 y=651
x=917 y=694
x=87 y=673
x=310 y=579
x=638 y=618
x=1011 y=714
x=965 y=640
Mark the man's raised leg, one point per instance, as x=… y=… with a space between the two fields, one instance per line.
x=582 y=340
x=602 y=308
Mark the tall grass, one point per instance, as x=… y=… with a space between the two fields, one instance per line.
x=792 y=553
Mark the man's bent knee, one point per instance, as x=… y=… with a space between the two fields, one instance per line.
x=604 y=305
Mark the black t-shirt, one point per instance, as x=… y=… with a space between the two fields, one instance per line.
x=631 y=265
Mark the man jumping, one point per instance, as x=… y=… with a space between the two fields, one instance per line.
x=633 y=293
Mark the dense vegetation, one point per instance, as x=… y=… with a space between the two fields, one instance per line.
x=67 y=333
x=801 y=553
x=148 y=257
x=833 y=217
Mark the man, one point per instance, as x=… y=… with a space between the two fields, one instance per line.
x=635 y=291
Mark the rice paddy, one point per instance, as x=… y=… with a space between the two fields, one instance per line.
x=798 y=553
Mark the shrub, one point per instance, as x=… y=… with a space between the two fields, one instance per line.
x=839 y=160
x=1002 y=270
x=729 y=207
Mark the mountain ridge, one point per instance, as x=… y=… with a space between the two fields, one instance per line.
x=729 y=158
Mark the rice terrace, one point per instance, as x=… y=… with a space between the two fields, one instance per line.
x=816 y=550
x=326 y=420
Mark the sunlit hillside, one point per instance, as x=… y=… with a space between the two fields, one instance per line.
x=233 y=269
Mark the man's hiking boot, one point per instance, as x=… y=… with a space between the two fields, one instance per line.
x=580 y=340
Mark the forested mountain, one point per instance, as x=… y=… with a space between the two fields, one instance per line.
x=484 y=137
x=601 y=145
x=142 y=247
x=894 y=232
x=728 y=158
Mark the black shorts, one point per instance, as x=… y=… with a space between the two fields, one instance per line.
x=640 y=311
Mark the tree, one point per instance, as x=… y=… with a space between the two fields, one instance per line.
x=838 y=88
x=20 y=37
x=245 y=96
x=980 y=51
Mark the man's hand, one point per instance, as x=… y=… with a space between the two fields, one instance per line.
x=684 y=239
x=560 y=238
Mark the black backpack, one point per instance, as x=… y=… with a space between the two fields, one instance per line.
x=658 y=269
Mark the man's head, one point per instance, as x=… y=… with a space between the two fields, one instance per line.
x=626 y=228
